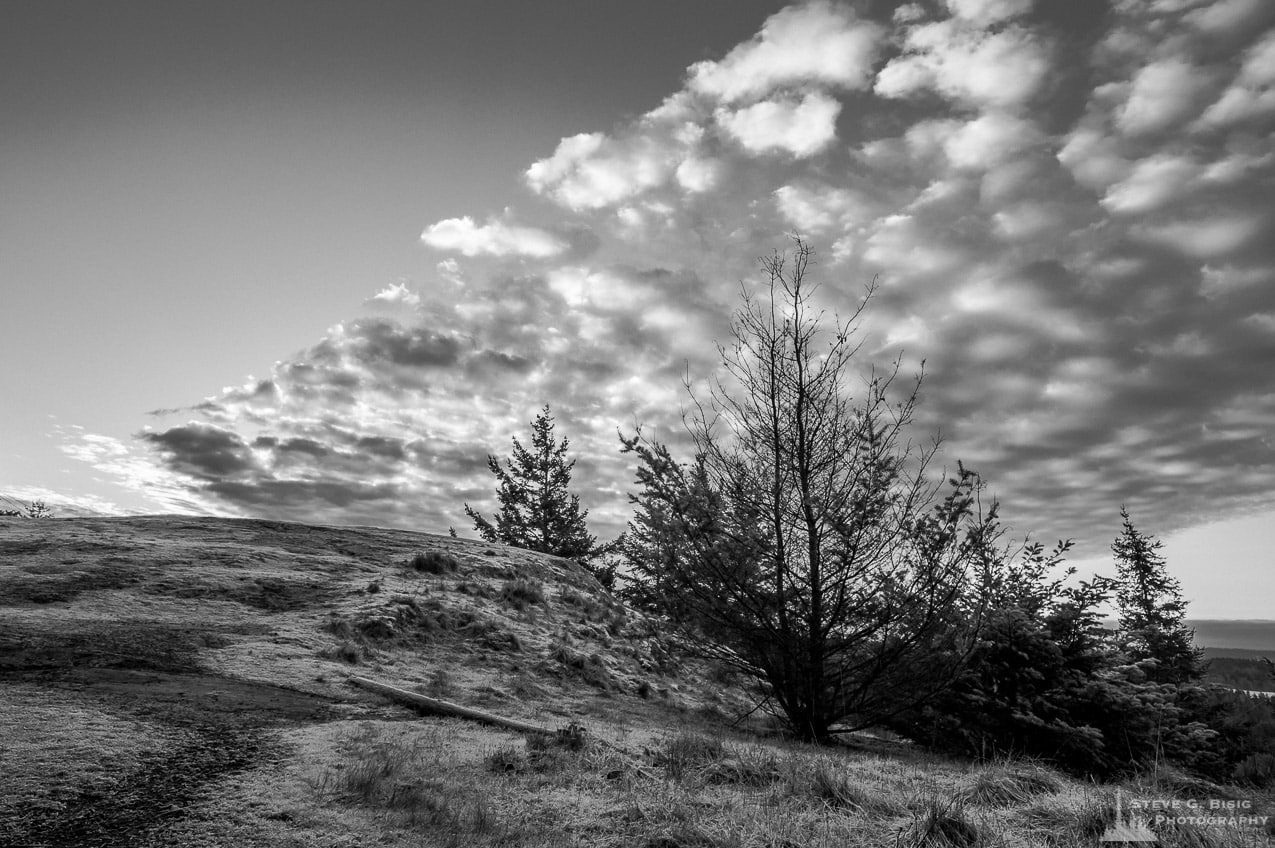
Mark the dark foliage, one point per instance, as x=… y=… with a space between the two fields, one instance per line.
x=1243 y=751
x=434 y=562
x=537 y=510
x=806 y=546
x=1048 y=681
x=1152 y=611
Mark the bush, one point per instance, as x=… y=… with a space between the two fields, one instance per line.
x=1049 y=683
x=1244 y=728
x=434 y=562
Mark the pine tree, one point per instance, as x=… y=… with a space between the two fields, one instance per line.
x=537 y=512
x=1152 y=612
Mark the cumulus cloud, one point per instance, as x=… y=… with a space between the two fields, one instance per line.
x=815 y=44
x=493 y=238
x=989 y=139
x=987 y=12
x=1068 y=220
x=591 y=171
x=801 y=128
x=969 y=65
x=395 y=295
x=1251 y=95
x=1163 y=94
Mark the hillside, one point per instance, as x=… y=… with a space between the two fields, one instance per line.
x=175 y=681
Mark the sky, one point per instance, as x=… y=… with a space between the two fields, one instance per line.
x=315 y=261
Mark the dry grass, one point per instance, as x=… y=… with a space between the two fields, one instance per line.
x=519 y=634
x=1009 y=784
x=433 y=562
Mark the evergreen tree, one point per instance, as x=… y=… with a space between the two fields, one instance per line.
x=1152 y=611
x=807 y=546
x=537 y=512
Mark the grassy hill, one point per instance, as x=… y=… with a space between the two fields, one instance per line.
x=173 y=681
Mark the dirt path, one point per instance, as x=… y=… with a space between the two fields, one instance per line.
x=209 y=727
x=159 y=790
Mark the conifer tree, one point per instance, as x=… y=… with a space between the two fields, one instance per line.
x=807 y=546
x=1152 y=612
x=537 y=512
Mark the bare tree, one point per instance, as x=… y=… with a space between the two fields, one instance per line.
x=814 y=551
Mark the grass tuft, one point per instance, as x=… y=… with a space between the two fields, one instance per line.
x=835 y=787
x=522 y=593
x=398 y=773
x=1008 y=785
x=941 y=825
x=590 y=668
x=687 y=752
x=434 y=562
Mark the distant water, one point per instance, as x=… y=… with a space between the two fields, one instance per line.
x=1247 y=635
x=1235 y=635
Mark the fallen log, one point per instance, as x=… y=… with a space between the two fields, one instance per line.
x=445 y=708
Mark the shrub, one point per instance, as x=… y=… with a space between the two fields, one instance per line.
x=434 y=562
x=1051 y=684
x=1244 y=726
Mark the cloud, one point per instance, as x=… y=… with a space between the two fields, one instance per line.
x=816 y=44
x=591 y=171
x=1162 y=95
x=494 y=238
x=988 y=140
x=968 y=65
x=395 y=295
x=1251 y=95
x=1067 y=218
x=987 y=12
x=1153 y=182
x=801 y=128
